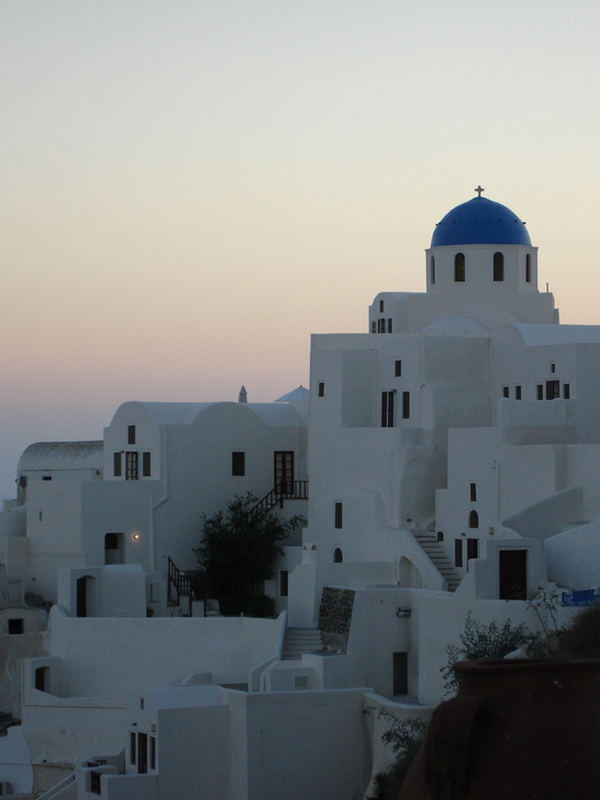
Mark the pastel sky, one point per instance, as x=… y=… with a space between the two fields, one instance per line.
x=190 y=188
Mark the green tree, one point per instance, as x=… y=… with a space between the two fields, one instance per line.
x=237 y=554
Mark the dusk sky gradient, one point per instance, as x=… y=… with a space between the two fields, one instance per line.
x=191 y=188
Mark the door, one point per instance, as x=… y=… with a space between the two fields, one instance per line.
x=400 y=673
x=82 y=597
x=142 y=752
x=284 y=471
x=512 y=565
x=552 y=389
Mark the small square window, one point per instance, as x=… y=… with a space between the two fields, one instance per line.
x=517 y=392
x=15 y=626
x=398 y=368
x=47 y=477
x=338 y=515
x=505 y=391
x=131 y=434
x=238 y=463
x=300 y=681
x=321 y=389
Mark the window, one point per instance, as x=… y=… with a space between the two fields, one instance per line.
x=131 y=434
x=566 y=391
x=472 y=549
x=405 y=405
x=528 y=268
x=283 y=583
x=517 y=392
x=131 y=465
x=152 y=752
x=458 y=552
x=389 y=325
x=552 y=367
x=117 y=465
x=473 y=492
x=337 y=556
x=380 y=326
x=459 y=268
x=432 y=269
x=47 y=477
x=540 y=391
x=552 y=389
x=505 y=392
x=381 y=306
x=387 y=409
x=132 y=747
x=398 y=368
x=337 y=516
x=146 y=464
x=41 y=678
x=498 y=267
x=473 y=519
x=440 y=536
x=15 y=626
x=373 y=327
x=321 y=389
x=238 y=463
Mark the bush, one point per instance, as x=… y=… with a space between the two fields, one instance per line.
x=406 y=737
x=582 y=638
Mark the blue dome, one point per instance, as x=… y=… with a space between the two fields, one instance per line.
x=480 y=221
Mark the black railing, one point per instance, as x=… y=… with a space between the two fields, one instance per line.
x=179 y=585
x=286 y=490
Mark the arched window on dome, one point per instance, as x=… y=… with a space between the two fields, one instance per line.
x=459 y=268
x=528 y=268
x=432 y=269
x=498 y=267
x=473 y=519
x=337 y=556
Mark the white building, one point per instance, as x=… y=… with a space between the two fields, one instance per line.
x=451 y=452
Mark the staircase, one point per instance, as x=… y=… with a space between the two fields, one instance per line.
x=300 y=640
x=288 y=490
x=179 y=586
x=437 y=555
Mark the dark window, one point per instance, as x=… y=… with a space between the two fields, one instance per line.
x=473 y=492
x=505 y=392
x=400 y=666
x=47 y=477
x=131 y=465
x=15 y=626
x=283 y=583
x=283 y=471
x=458 y=550
x=321 y=389
x=146 y=464
x=566 y=390
x=39 y=516
x=552 y=389
x=398 y=369
x=473 y=519
x=117 y=465
x=389 y=325
x=337 y=556
x=373 y=327
x=380 y=326
x=517 y=392
x=132 y=747
x=527 y=268
x=459 y=268
x=472 y=549
x=41 y=678
x=387 y=409
x=152 y=752
x=238 y=463
x=440 y=536
x=405 y=405
x=381 y=306
x=432 y=269
x=512 y=576
x=142 y=753
x=540 y=391
x=498 y=267
x=338 y=516
x=111 y=541
x=552 y=367
x=131 y=434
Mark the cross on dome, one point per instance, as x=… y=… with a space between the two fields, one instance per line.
x=479 y=190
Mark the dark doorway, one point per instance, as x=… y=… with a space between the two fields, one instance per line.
x=114 y=548
x=142 y=752
x=552 y=389
x=512 y=574
x=15 y=626
x=400 y=673
x=82 y=597
x=284 y=471
x=41 y=678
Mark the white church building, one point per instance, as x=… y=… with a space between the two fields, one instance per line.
x=445 y=461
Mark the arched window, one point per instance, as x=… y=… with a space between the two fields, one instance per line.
x=432 y=269
x=473 y=519
x=337 y=556
x=498 y=267
x=459 y=268
x=528 y=268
